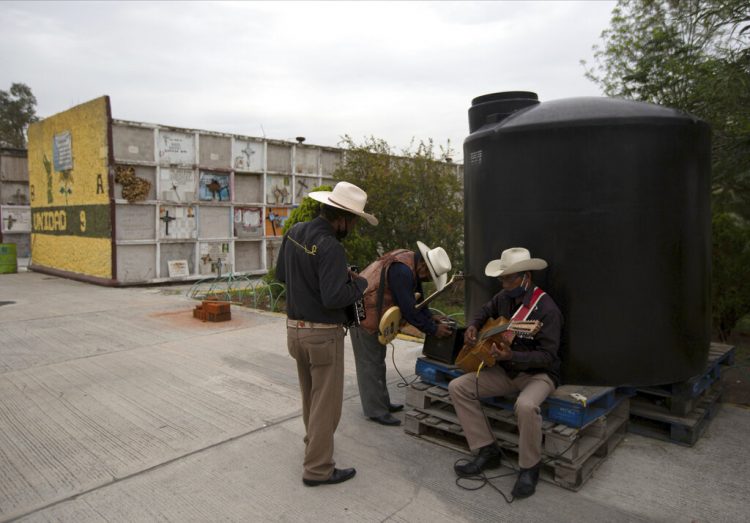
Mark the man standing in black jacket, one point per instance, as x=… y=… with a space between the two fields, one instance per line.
x=530 y=367
x=319 y=287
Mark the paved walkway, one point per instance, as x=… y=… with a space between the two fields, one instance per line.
x=115 y=405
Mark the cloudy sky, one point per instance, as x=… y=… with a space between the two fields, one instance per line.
x=394 y=70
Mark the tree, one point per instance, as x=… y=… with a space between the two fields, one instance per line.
x=415 y=195
x=730 y=295
x=694 y=55
x=17 y=111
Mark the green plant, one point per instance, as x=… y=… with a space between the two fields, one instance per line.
x=416 y=195
x=306 y=211
x=17 y=111
x=730 y=283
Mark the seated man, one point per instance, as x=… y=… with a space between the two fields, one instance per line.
x=528 y=366
x=393 y=278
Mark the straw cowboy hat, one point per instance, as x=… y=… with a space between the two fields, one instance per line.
x=437 y=262
x=513 y=260
x=348 y=197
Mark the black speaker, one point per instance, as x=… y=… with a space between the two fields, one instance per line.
x=445 y=349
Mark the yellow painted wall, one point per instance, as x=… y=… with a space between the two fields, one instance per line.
x=71 y=220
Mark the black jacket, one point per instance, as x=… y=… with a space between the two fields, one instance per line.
x=312 y=264
x=536 y=355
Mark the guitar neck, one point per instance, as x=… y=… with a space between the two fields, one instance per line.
x=493 y=331
x=435 y=294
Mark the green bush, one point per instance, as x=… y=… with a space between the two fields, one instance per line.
x=305 y=212
x=730 y=282
x=416 y=195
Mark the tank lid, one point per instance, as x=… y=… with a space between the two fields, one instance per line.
x=505 y=95
x=591 y=110
x=494 y=107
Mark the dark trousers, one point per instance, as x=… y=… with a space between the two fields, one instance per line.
x=369 y=357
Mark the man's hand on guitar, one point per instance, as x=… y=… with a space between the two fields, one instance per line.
x=443 y=330
x=470 y=336
x=501 y=352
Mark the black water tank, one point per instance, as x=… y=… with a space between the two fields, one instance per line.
x=614 y=194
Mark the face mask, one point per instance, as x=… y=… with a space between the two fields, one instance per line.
x=518 y=291
x=341 y=234
x=342 y=231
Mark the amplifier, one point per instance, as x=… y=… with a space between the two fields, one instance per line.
x=445 y=349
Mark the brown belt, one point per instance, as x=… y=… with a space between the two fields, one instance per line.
x=302 y=324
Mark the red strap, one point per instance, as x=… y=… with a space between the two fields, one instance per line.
x=523 y=311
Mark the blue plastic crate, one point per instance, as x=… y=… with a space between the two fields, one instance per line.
x=560 y=406
x=436 y=373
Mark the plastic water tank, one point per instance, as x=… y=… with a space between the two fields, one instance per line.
x=614 y=194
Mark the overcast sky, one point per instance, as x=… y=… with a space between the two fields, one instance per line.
x=393 y=70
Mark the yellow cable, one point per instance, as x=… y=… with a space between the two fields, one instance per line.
x=479 y=368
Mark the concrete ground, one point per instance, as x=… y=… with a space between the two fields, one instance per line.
x=115 y=405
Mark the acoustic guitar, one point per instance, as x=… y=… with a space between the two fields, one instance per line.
x=498 y=330
x=390 y=323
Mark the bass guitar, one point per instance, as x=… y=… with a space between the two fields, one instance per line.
x=390 y=322
x=498 y=330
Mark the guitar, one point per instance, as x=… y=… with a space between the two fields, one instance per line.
x=390 y=323
x=494 y=331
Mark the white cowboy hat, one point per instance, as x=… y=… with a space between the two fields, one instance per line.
x=513 y=260
x=346 y=196
x=438 y=263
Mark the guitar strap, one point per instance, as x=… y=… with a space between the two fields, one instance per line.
x=381 y=291
x=524 y=311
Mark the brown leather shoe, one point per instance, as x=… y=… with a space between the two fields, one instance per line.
x=338 y=476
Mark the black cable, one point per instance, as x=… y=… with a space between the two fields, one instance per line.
x=404 y=382
x=482 y=478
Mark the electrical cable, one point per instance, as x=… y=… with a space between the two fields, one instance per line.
x=482 y=478
x=404 y=382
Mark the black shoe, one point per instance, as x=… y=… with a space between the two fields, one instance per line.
x=386 y=419
x=526 y=483
x=395 y=407
x=488 y=458
x=338 y=476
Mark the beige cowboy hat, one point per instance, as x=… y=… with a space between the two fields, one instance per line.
x=348 y=197
x=438 y=263
x=513 y=260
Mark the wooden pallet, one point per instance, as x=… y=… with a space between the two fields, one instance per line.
x=570 y=455
x=657 y=421
x=683 y=397
x=561 y=406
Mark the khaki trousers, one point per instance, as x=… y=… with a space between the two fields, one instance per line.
x=320 y=367
x=493 y=381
